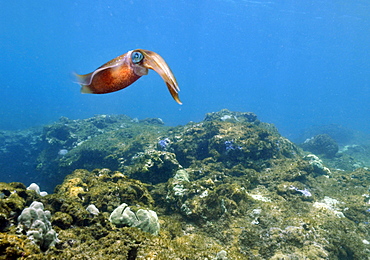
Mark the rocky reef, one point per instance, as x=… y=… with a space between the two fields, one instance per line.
x=321 y=144
x=228 y=187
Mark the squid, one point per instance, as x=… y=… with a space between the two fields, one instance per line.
x=124 y=70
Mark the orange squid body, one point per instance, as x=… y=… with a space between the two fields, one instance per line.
x=115 y=75
x=124 y=70
x=112 y=79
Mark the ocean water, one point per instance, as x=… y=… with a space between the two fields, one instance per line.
x=293 y=63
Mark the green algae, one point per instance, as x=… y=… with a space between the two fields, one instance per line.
x=227 y=183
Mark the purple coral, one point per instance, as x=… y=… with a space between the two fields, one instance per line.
x=305 y=192
x=230 y=145
x=163 y=144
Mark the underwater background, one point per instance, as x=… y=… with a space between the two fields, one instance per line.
x=293 y=63
x=267 y=158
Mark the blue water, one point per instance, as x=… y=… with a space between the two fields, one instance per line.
x=293 y=63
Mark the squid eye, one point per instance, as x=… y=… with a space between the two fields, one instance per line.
x=137 y=57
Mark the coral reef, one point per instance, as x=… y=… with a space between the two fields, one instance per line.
x=36 y=223
x=20 y=148
x=146 y=220
x=321 y=144
x=228 y=187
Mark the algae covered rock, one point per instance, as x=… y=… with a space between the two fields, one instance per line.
x=317 y=164
x=321 y=144
x=97 y=142
x=103 y=188
x=13 y=246
x=18 y=154
x=153 y=166
x=231 y=143
x=341 y=134
x=13 y=198
x=227 y=115
x=228 y=187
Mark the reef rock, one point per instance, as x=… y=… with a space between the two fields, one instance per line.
x=13 y=198
x=153 y=166
x=321 y=144
x=228 y=187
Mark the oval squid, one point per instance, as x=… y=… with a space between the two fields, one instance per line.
x=124 y=70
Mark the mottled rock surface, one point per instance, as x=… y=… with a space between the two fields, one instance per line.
x=229 y=187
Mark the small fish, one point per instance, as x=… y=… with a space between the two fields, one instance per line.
x=124 y=70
